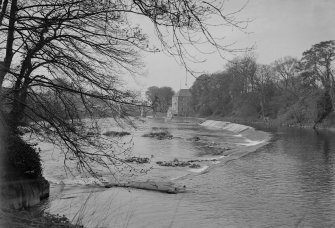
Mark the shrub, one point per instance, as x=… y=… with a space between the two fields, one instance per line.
x=23 y=157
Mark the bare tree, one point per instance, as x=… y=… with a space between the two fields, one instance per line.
x=90 y=44
x=264 y=78
x=286 y=70
x=244 y=69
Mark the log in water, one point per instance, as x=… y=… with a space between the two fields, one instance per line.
x=168 y=187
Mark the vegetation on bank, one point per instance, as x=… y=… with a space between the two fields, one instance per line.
x=288 y=91
x=23 y=159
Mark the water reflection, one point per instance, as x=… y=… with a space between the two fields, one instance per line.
x=302 y=162
x=325 y=140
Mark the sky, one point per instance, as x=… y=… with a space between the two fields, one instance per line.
x=278 y=28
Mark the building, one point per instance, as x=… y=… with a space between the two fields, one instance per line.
x=181 y=103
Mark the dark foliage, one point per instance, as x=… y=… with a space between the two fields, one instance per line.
x=116 y=133
x=137 y=160
x=159 y=133
x=324 y=108
x=23 y=158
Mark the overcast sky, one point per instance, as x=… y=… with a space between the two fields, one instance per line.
x=279 y=28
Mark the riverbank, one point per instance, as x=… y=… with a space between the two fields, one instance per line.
x=329 y=122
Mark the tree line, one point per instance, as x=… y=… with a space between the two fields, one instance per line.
x=289 y=90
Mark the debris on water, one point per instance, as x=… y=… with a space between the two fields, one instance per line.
x=177 y=163
x=116 y=133
x=195 y=139
x=159 y=133
x=138 y=160
x=212 y=148
x=174 y=163
x=195 y=166
x=220 y=151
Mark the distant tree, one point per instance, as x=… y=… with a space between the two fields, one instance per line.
x=166 y=94
x=160 y=98
x=318 y=62
x=243 y=69
x=286 y=71
x=265 y=88
x=200 y=91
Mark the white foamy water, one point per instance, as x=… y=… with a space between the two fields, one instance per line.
x=249 y=142
x=233 y=127
x=199 y=170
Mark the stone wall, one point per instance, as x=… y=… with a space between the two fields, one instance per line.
x=24 y=193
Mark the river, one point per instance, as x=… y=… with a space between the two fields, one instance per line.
x=286 y=182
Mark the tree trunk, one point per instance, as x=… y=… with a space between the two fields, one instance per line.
x=167 y=187
x=5 y=66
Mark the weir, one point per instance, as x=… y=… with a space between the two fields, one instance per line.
x=233 y=127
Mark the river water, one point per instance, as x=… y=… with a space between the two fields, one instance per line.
x=287 y=182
